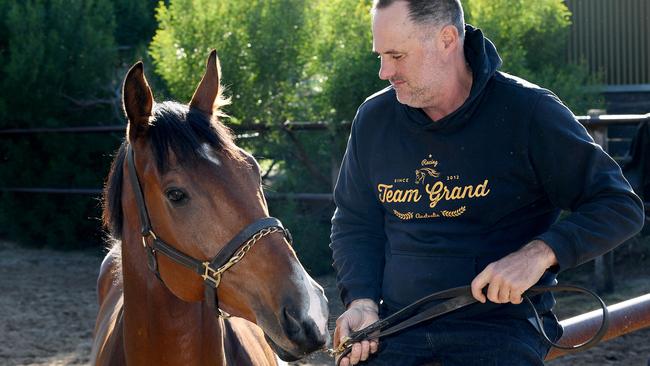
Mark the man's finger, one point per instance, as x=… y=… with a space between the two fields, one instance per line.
x=515 y=297
x=365 y=350
x=337 y=336
x=345 y=361
x=355 y=354
x=374 y=345
x=477 y=287
x=504 y=295
x=493 y=292
x=341 y=331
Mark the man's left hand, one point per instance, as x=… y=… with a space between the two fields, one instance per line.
x=509 y=277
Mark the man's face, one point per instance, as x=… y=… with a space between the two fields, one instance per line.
x=410 y=59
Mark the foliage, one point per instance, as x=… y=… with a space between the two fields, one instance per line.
x=53 y=51
x=135 y=22
x=343 y=63
x=57 y=66
x=532 y=38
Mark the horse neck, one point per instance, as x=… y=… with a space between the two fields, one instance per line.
x=159 y=328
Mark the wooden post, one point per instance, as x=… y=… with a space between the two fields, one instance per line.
x=603 y=265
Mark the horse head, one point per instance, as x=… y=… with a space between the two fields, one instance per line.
x=200 y=191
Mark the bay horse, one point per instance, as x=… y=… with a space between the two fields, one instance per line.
x=191 y=241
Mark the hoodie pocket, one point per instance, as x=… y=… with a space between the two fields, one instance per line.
x=408 y=278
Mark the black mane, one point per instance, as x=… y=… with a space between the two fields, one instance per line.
x=176 y=129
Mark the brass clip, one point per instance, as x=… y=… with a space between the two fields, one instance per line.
x=211 y=275
x=344 y=345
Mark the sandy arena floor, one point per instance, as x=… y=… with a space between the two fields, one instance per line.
x=48 y=307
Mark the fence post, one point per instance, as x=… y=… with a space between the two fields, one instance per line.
x=604 y=264
x=336 y=133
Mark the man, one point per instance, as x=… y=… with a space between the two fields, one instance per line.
x=455 y=175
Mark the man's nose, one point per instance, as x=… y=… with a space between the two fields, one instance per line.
x=386 y=70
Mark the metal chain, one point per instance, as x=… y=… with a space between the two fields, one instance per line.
x=215 y=275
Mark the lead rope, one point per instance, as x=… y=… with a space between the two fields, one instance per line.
x=460 y=297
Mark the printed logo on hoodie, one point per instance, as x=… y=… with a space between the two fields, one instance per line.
x=431 y=185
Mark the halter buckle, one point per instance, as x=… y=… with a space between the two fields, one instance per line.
x=147 y=234
x=210 y=276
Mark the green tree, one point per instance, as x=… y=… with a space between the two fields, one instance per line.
x=57 y=61
x=58 y=52
x=135 y=21
x=264 y=48
x=532 y=38
x=343 y=64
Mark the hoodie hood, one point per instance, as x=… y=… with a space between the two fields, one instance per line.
x=483 y=59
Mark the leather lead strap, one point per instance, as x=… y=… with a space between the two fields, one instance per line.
x=460 y=297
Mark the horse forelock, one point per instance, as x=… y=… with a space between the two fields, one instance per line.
x=175 y=129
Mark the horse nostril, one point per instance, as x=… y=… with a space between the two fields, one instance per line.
x=292 y=325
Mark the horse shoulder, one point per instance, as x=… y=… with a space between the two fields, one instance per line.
x=244 y=344
x=109 y=273
x=108 y=345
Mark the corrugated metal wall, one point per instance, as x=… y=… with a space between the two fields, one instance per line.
x=614 y=37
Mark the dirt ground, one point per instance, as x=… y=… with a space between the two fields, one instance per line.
x=48 y=307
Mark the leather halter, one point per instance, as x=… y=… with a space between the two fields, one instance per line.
x=212 y=270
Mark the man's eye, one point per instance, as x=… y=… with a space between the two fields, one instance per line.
x=397 y=57
x=176 y=196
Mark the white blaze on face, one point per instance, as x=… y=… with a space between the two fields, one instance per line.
x=315 y=302
x=209 y=154
x=279 y=361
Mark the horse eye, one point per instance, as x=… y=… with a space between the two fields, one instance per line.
x=176 y=196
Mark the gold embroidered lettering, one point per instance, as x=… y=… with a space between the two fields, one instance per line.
x=467 y=192
x=411 y=195
x=438 y=191
x=482 y=190
x=456 y=193
x=383 y=188
x=435 y=193
x=388 y=194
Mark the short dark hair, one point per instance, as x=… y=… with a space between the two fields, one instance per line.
x=438 y=12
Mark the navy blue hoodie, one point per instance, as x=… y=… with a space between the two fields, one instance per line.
x=425 y=205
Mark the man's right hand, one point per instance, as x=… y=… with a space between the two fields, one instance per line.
x=360 y=314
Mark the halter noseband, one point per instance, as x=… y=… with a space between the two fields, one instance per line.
x=211 y=271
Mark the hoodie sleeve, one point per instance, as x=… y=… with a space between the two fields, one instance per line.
x=579 y=177
x=357 y=239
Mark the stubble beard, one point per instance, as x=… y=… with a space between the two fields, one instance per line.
x=412 y=96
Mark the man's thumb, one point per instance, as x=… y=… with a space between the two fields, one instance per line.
x=342 y=330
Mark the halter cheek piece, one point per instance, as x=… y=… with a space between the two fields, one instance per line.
x=211 y=271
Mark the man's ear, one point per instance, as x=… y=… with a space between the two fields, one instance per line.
x=449 y=37
x=137 y=101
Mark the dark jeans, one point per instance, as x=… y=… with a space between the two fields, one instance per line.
x=465 y=342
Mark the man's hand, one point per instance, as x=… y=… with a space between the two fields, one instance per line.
x=509 y=277
x=360 y=314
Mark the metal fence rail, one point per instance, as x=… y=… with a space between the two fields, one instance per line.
x=597 y=126
x=237 y=128
x=289 y=126
x=625 y=317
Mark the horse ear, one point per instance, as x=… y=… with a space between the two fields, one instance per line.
x=208 y=89
x=137 y=100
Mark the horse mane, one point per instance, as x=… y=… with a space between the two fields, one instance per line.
x=174 y=128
